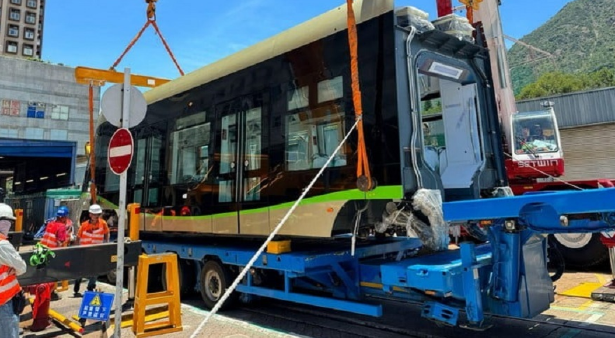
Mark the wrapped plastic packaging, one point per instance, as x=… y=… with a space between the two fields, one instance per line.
x=411 y=16
x=429 y=202
x=434 y=234
x=455 y=25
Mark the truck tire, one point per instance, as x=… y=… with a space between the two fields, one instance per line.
x=581 y=251
x=215 y=278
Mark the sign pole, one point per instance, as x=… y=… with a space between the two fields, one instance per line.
x=119 y=283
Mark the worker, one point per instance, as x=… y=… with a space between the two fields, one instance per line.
x=92 y=231
x=71 y=235
x=11 y=266
x=55 y=236
x=55 y=231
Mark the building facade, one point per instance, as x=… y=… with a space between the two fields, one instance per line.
x=41 y=101
x=587 y=127
x=21 y=28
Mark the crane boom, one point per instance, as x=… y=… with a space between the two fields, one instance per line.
x=489 y=15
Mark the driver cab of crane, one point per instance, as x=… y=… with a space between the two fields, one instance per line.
x=536 y=133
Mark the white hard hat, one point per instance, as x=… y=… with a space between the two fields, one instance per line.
x=6 y=212
x=95 y=209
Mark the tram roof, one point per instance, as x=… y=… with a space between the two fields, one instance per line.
x=312 y=30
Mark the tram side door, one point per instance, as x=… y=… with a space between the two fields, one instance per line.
x=242 y=170
x=147 y=176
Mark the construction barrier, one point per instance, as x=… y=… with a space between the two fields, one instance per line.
x=169 y=297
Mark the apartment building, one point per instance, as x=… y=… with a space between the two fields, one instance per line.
x=21 y=28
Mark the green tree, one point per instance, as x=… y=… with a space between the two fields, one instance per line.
x=554 y=83
x=604 y=77
x=560 y=83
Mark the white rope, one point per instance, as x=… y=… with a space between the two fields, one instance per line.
x=273 y=233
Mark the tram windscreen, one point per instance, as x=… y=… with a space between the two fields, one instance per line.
x=534 y=132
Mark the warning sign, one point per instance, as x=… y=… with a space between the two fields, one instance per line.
x=96 y=301
x=96 y=305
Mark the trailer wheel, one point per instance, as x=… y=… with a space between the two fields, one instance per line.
x=214 y=280
x=581 y=250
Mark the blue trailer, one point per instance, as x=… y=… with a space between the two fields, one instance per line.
x=507 y=276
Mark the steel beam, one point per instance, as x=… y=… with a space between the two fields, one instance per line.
x=78 y=261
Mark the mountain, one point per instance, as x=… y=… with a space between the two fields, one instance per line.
x=580 y=39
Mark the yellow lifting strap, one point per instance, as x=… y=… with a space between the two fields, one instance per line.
x=364 y=178
x=151 y=20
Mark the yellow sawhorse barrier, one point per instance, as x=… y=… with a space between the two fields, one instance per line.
x=169 y=297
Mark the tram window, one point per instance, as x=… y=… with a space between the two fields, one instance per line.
x=332 y=89
x=154 y=160
x=152 y=196
x=140 y=170
x=138 y=196
x=298 y=98
x=204 y=161
x=253 y=139
x=228 y=144
x=112 y=181
x=251 y=189
x=225 y=193
x=312 y=138
x=190 y=154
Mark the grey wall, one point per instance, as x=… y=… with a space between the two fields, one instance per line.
x=32 y=81
x=578 y=109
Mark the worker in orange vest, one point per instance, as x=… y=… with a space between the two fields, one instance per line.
x=92 y=231
x=55 y=236
x=11 y=266
x=55 y=232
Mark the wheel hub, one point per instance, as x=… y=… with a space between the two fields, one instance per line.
x=213 y=287
x=573 y=241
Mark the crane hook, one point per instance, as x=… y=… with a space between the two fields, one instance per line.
x=151 y=10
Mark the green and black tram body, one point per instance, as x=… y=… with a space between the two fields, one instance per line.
x=229 y=148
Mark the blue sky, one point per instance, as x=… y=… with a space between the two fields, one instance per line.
x=93 y=33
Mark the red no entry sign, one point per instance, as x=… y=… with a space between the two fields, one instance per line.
x=120 y=151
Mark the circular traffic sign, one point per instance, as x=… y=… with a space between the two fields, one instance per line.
x=121 y=148
x=111 y=105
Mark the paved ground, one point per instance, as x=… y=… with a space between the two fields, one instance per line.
x=219 y=326
x=573 y=314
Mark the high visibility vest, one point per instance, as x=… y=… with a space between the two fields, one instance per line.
x=9 y=286
x=96 y=236
x=49 y=238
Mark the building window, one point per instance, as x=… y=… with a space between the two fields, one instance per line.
x=30 y=17
x=11 y=47
x=16 y=2
x=5 y=132
x=31 y=3
x=11 y=107
x=58 y=135
x=34 y=133
x=36 y=110
x=28 y=50
x=15 y=14
x=28 y=33
x=13 y=31
x=59 y=112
